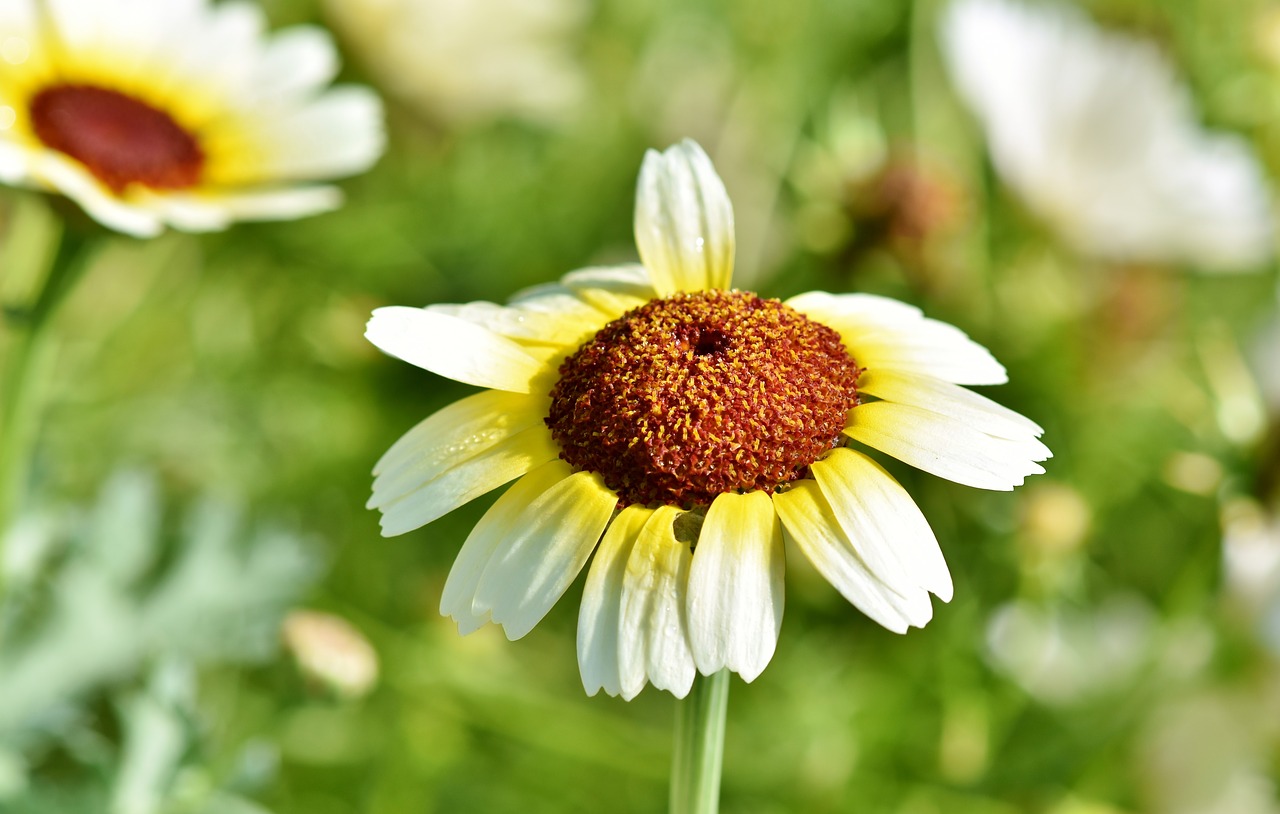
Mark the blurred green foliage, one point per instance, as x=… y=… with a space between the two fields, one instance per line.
x=1094 y=660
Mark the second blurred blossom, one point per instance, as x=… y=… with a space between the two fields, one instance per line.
x=1097 y=136
x=467 y=61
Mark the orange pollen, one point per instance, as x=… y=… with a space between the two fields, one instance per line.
x=696 y=395
x=120 y=140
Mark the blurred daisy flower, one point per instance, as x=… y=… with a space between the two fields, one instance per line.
x=466 y=61
x=1098 y=137
x=177 y=112
x=689 y=429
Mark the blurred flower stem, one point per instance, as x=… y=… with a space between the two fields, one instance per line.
x=40 y=261
x=699 y=749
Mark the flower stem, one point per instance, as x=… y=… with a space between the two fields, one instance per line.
x=699 y=749
x=39 y=266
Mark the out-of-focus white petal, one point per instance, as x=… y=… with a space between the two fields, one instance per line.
x=1097 y=135
x=653 y=633
x=57 y=172
x=684 y=221
x=214 y=211
x=735 y=586
x=296 y=62
x=337 y=134
x=884 y=334
x=883 y=523
x=946 y=447
x=809 y=523
x=453 y=347
x=600 y=617
x=543 y=552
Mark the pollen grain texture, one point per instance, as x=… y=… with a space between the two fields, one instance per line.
x=699 y=394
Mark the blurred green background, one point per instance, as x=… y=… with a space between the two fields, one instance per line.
x=212 y=414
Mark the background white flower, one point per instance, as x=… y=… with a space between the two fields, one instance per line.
x=469 y=60
x=1095 y=133
x=176 y=112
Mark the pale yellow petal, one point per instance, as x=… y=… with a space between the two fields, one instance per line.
x=452 y=347
x=945 y=446
x=653 y=633
x=544 y=550
x=684 y=221
x=950 y=400
x=455 y=433
x=600 y=617
x=882 y=522
x=501 y=519
x=884 y=334
x=735 y=586
x=483 y=472
x=809 y=523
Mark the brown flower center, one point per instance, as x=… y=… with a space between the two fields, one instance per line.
x=689 y=397
x=119 y=139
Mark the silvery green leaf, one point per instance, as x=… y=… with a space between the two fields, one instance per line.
x=156 y=735
x=122 y=534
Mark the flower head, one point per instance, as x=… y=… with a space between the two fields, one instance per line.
x=1095 y=133
x=682 y=431
x=178 y=112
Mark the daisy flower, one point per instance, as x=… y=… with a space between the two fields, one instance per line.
x=178 y=112
x=682 y=431
x=1095 y=133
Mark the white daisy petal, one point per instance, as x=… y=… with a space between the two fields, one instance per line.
x=883 y=334
x=541 y=326
x=735 y=586
x=809 y=523
x=481 y=473
x=684 y=221
x=451 y=436
x=883 y=523
x=453 y=347
x=543 y=551
x=612 y=290
x=653 y=634
x=946 y=447
x=214 y=211
x=822 y=305
x=296 y=62
x=459 y=594
x=335 y=135
x=938 y=396
x=55 y=171
x=600 y=617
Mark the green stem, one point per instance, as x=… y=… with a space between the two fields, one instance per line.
x=699 y=750
x=47 y=273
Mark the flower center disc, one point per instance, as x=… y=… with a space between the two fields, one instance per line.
x=696 y=395
x=119 y=139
